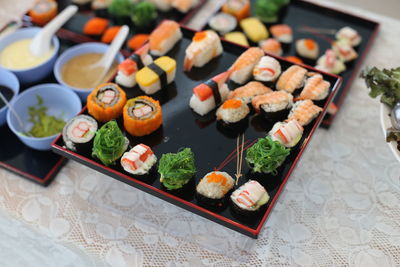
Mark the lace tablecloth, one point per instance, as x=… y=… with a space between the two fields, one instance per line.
x=339 y=208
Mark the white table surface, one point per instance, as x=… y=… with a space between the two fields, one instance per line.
x=339 y=208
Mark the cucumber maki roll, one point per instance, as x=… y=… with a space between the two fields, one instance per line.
x=266 y=155
x=176 y=169
x=78 y=133
x=213 y=188
x=248 y=199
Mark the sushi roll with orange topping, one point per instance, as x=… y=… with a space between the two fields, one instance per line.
x=232 y=116
x=315 y=88
x=106 y=102
x=164 y=37
x=240 y=9
x=213 y=188
x=271 y=46
x=242 y=68
x=43 y=11
x=273 y=106
x=307 y=48
x=139 y=161
x=304 y=112
x=248 y=199
x=209 y=95
x=288 y=133
x=294 y=60
x=205 y=46
x=249 y=91
x=142 y=115
x=291 y=79
x=282 y=32
x=267 y=69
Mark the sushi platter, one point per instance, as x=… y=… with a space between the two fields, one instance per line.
x=187 y=124
x=297 y=21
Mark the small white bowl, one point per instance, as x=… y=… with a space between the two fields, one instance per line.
x=386 y=123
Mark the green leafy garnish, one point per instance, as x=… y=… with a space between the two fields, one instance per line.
x=266 y=155
x=267 y=10
x=43 y=124
x=121 y=8
x=176 y=169
x=383 y=82
x=109 y=143
x=143 y=14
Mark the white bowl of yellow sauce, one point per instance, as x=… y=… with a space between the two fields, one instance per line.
x=16 y=57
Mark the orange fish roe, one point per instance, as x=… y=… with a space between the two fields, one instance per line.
x=294 y=59
x=110 y=34
x=199 y=36
x=95 y=26
x=217 y=178
x=310 y=44
x=232 y=103
x=137 y=41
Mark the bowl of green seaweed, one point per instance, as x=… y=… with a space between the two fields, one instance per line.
x=39 y=114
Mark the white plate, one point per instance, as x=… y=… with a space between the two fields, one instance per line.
x=386 y=123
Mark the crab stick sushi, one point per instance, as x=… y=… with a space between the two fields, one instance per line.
x=205 y=46
x=315 y=88
x=213 y=188
x=350 y=35
x=138 y=161
x=233 y=114
x=287 y=133
x=275 y=105
x=304 y=112
x=254 y=29
x=210 y=94
x=142 y=115
x=164 y=37
x=249 y=198
x=184 y=6
x=307 y=48
x=271 y=46
x=106 y=102
x=127 y=70
x=267 y=69
x=247 y=92
x=78 y=133
x=291 y=79
x=329 y=62
x=240 y=9
x=242 y=68
x=344 y=50
x=156 y=75
x=282 y=32
x=223 y=23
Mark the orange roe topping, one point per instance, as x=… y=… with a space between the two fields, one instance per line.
x=310 y=44
x=294 y=59
x=199 y=36
x=232 y=103
x=216 y=178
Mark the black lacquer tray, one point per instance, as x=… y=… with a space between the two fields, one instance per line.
x=183 y=128
x=301 y=14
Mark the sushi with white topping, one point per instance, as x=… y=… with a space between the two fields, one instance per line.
x=249 y=198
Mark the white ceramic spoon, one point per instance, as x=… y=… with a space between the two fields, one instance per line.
x=42 y=41
x=21 y=124
x=108 y=58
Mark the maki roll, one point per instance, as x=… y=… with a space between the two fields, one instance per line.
x=282 y=32
x=210 y=94
x=242 y=68
x=213 y=188
x=233 y=113
x=315 y=88
x=176 y=169
x=254 y=29
x=162 y=5
x=95 y=26
x=344 y=50
x=184 y=6
x=156 y=75
x=43 y=11
x=222 y=23
x=307 y=48
x=248 y=199
x=266 y=155
x=109 y=143
x=350 y=35
x=329 y=62
x=139 y=160
x=142 y=116
x=288 y=133
x=291 y=79
x=106 y=102
x=78 y=132
x=100 y=7
x=237 y=37
x=294 y=59
x=271 y=46
x=240 y=9
x=164 y=37
x=127 y=70
x=304 y=112
x=247 y=92
x=205 y=46
x=274 y=106
x=267 y=69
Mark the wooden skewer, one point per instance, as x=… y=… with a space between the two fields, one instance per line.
x=239 y=156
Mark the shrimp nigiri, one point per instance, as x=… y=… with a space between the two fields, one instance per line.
x=291 y=79
x=304 y=112
x=164 y=37
x=315 y=88
x=242 y=68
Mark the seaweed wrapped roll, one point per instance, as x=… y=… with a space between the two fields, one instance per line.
x=275 y=105
x=249 y=198
x=79 y=132
x=233 y=112
x=139 y=160
x=213 y=187
x=287 y=133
